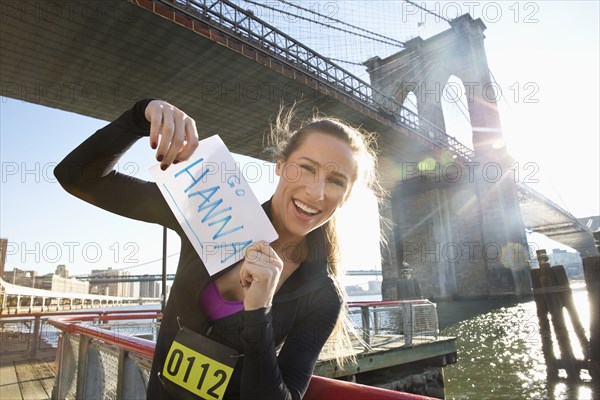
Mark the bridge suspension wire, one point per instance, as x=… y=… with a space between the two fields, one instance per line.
x=494 y=80
x=325 y=25
x=135 y=266
x=426 y=10
x=347 y=62
x=460 y=102
x=399 y=43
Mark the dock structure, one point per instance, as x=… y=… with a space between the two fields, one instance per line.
x=554 y=301
x=390 y=351
x=400 y=348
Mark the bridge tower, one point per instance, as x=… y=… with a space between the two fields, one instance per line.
x=457 y=222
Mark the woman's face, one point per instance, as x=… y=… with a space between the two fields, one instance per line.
x=314 y=182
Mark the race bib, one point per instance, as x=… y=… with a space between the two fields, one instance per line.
x=199 y=364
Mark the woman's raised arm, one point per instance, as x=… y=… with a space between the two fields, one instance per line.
x=88 y=171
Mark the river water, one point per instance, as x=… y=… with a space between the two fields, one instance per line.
x=500 y=352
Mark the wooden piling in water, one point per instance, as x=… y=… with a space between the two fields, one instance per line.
x=591 y=271
x=552 y=293
x=544 y=322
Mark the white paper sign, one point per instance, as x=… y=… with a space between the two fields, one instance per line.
x=214 y=204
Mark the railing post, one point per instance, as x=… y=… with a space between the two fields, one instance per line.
x=82 y=367
x=60 y=352
x=408 y=324
x=375 y=320
x=366 y=323
x=67 y=366
x=36 y=336
x=121 y=374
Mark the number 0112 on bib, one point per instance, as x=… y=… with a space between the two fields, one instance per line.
x=199 y=365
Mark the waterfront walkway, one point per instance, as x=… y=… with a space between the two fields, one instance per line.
x=23 y=378
x=27 y=379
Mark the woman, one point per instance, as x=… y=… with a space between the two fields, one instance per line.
x=276 y=308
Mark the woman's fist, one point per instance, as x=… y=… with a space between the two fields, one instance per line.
x=259 y=275
x=172 y=131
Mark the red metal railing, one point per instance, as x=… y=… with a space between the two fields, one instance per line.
x=319 y=388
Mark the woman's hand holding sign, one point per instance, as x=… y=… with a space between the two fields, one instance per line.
x=259 y=274
x=177 y=130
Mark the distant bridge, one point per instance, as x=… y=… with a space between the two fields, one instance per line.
x=99 y=279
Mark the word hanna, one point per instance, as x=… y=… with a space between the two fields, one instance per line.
x=214 y=212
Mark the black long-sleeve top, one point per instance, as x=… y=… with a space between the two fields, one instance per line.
x=304 y=309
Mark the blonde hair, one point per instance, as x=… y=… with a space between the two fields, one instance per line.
x=282 y=142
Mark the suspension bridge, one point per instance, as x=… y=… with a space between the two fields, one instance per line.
x=230 y=67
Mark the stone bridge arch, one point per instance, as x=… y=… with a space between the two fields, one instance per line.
x=470 y=215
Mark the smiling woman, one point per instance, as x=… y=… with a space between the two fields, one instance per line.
x=260 y=324
x=323 y=174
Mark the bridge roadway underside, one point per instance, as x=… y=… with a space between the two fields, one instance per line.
x=100 y=66
x=542 y=215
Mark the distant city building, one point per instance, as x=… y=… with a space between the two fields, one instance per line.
x=168 y=291
x=57 y=283
x=3 y=246
x=149 y=289
x=20 y=277
x=60 y=282
x=135 y=288
x=119 y=289
x=571 y=261
x=62 y=271
x=375 y=286
x=357 y=290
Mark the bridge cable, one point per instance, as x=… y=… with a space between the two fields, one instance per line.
x=130 y=267
x=426 y=10
x=500 y=93
x=399 y=43
x=323 y=24
x=343 y=30
x=460 y=102
x=347 y=62
x=333 y=27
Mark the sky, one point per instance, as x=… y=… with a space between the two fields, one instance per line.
x=544 y=56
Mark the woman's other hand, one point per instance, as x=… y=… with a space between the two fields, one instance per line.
x=259 y=275
x=177 y=131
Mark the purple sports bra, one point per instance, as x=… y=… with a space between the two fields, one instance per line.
x=214 y=306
